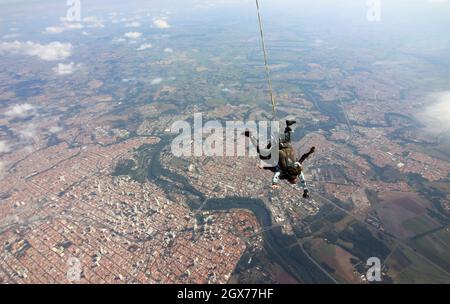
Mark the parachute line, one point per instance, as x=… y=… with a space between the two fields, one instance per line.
x=266 y=61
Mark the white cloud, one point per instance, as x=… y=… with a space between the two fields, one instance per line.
x=64 y=27
x=156 y=81
x=2 y=169
x=133 y=24
x=65 y=69
x=133 y=35
x=49 y=52
x=73 y=26
x=93 y=21
x=161 y=23
x=168 y=50
x=27 y=132
x=54 y=29
x=436 y=116
x=55 y=129
x=20 y=110
x=144 y=46
x=4 y=147
x=216 y=3
x=11 y=36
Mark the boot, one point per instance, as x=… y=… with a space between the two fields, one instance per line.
x=290 y=122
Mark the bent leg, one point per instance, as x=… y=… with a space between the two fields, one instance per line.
x=287 y=137
x=303 y=182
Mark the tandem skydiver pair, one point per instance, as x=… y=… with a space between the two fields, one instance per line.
x=288 y=168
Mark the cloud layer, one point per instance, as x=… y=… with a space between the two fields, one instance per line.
x=2 y=170
x=133 y=24
x=93 y=21
x=4 y=148
x=161 y=23
x=49 y=52
x=144 y=46
x=156 y=81
x=64 y=27
x=133 y=35
x=65 y=69
x=20 y=110
x=437 y=115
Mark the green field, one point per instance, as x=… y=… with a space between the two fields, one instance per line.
x=408 y=267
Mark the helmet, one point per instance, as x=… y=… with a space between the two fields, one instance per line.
x=293 y=180
x=295 y=169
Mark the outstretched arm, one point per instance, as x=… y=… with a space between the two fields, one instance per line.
x=306 y=155
x=276 y=180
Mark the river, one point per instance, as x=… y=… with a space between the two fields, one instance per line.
x=280 y=248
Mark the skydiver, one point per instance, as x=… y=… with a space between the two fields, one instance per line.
x=287 y=168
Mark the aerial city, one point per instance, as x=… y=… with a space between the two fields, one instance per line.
x=118 y=164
